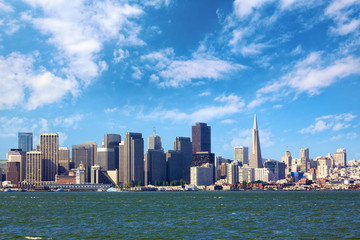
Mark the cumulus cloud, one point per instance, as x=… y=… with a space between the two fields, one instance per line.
x=329 y=122
x=229 y=104
x=79 y=29
x=178 y=72
x=69 y=122
x=243 y=137
x=342 y=13
x=308 y=75
x=17 y=76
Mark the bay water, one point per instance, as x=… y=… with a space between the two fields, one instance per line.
x=180 y=215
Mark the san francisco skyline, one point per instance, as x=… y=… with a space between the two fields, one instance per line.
x=84 y=69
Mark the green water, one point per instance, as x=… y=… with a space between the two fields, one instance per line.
x=180 y=215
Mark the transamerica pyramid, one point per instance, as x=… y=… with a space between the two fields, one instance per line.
x=255 y=154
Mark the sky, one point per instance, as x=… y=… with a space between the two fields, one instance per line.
x=86 y=68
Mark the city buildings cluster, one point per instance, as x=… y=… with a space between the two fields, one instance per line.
x=123 y=162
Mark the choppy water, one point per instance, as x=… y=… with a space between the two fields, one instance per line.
x=180 y=215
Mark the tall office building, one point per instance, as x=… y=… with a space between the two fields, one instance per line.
x=49 y=146
x=106 y=158
x=340 y=157
x=16 y=155
x=131 y=159
x=34 y=168
x=287 y=159
x=64 y=160
x=255 y=154
x=174 y=160
x=304 y=159
x=154 y=167
x=112 y=141
x=184 y=145
x=154 y=142
x=13 y=173
x=25 y=141
x=201 y=138
x=81 y=156
x=241 y=154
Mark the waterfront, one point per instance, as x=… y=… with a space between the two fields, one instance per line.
x=180 y=215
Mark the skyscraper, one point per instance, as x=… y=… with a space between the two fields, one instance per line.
x=183 y=144
x=16 y=155
x=64 y=159
x=25 y=141
x=287 y=159
x=33 y=168
x=112 y=141
x=81 y=155
x=154 y=166
x=340 y=157
x=255 y=154
x=154 y=142
x=201 y=138
x=132 y=161
x=304 y=159
x=49 y=146
x=241 y=154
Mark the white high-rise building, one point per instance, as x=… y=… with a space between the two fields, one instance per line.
x=241 y=154
x=255 y=154
x=340 y=157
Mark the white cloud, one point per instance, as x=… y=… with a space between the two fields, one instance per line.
x=329 y=122
x=5 y=7
x=206 y=93
x=309 y=75
x=120 y=54
x=174 y=72
x=341 y=12
x=17 y=76
x=244 y=137
x=62 y=138
x=137 y=74
x=230 y=104
x=245 y=8
x=111 y=110
x=228 y=121
x=79 y=29
x=348 y=136
x=69 y=122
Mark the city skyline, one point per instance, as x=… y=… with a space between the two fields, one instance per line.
x=85 y=69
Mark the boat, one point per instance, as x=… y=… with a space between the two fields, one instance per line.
x=60 y=190
x=112 y=189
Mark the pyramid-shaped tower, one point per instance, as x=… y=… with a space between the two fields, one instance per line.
x=255 y=154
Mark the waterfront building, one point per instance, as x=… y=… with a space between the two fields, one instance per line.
x=202 y=175
x=174 y=160
x=33 y=168
x=49 y=146
x=95 y=172
x=241 y=154
x=155 y=167
x=304 y=160
x=131 y=159
x=17 y=155
x=340 y=158
x=112 y=141
x=106 y=158
x=255 y=153
x=246 y=174
x=13 y=173
x=323 y=168
x=232 y=175
x=184 y=145
x=81 y=174
x=277 y=168
x=25 y=141
x=81 y=155
x=201 y=138
x=264 y=175
x=64 y=160
x=287 y=159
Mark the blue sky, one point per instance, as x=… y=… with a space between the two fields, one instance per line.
x=86 y=68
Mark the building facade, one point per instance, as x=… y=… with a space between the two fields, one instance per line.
x=255 y=153
x=340 y=158
x=154 y=167
x=25 y=141
x=202 y=175
x=49 y=146
x=33 y=168
x=184 y=145
x=201 y=138
x=241 y=154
